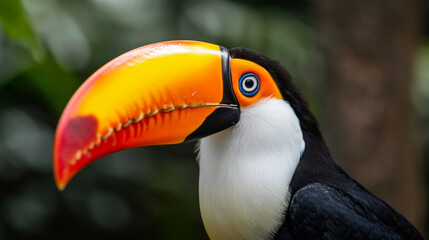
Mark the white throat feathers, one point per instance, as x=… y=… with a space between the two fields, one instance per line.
x=245 y=172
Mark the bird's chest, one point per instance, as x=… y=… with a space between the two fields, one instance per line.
x=243 y=194
x=238 y=205
x=245 y=172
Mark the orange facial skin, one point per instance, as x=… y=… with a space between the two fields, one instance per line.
x=267 y=89
x=153 y=95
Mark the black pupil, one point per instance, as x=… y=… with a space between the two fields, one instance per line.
x=249 y=83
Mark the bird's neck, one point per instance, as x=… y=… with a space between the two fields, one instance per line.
x=245 y=172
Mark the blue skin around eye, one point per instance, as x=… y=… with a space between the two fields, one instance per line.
x=252 y=93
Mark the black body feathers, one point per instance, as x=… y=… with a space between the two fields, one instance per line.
x=326 y=202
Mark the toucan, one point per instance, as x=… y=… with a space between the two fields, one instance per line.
x=265 y=169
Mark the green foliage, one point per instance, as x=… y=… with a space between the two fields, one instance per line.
x=54 y=84
x=49 y=47
x=16 y=26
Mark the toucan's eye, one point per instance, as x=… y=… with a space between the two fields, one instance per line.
x=249 y=84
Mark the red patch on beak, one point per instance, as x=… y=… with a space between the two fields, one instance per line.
x=77 y=134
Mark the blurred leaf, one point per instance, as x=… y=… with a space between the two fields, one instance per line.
x=16 y=26
x=55 y=84
x=59 y=31
x=14 y=59
x=14 y=21
x=45 y=84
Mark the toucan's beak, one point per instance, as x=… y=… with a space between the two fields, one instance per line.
x=163 y=93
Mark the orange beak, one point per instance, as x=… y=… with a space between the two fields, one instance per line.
x=164 y=93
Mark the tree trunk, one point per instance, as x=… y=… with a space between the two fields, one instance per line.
x=368 y=47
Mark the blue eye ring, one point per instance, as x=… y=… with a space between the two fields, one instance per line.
x=245 y=84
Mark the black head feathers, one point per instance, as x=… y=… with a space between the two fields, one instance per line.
x=289 y=90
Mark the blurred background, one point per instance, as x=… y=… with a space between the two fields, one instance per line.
x=363 y=64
